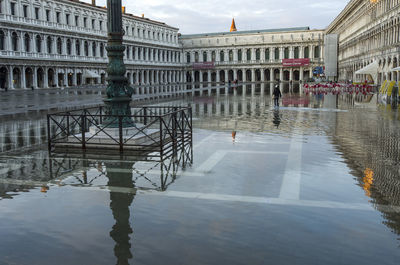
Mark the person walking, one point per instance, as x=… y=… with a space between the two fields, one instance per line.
x=277 y=94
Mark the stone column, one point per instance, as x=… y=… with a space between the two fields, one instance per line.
x=235 y=75
x=302 y=74
x=34 y=69
x=74 y=78
x=23 y=78
x=65 y=76
x=253 y=75
x=45 y=78
x=218 y=78
x=262 y=75
x=10 y=78
x=271 y=75
x=281 y=74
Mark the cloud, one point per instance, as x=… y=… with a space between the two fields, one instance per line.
x=193 y=16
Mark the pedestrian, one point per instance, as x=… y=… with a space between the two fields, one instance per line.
x=277 y=94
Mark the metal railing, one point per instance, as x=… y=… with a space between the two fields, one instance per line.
x=155 y=130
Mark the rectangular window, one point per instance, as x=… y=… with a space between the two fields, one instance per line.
x=12 y=6
x=101 y=25
x=85 y=22
x=37 y=13
x=58 y=14
x=77 y=21
x=25 y=11
x=67 y=19
x=93 y=24
x=47 y=15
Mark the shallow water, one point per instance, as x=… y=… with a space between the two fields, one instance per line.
x=314 y=183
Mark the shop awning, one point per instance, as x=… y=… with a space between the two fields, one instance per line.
x=371 y=69
x=90 y=74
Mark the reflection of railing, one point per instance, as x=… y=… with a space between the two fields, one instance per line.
x=159 y=131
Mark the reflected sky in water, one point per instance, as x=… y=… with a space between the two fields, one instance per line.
x=315 y=181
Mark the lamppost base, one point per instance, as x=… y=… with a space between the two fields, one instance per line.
x=118 y=107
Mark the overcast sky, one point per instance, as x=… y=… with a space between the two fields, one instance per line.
x=204 y=16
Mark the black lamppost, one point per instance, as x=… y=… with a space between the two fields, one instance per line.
x=119 y=92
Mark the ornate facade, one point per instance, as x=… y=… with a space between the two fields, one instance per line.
x=49 y=43
x=252 y=56
x=368 y=31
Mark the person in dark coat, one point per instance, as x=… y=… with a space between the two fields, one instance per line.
x=277 y=94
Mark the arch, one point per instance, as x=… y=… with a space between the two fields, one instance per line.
x=188 y=77
x=317 y=52
x=79 y=80
x=296 y=52
x=205 y=56
x=86 y=48
x=40 y=77
x=49 y=43
x=59 y=46
x=213 y=77
x=267 y=75
x=69 y=47
x=94 y=53
x=258 y=54
x=248 y=55
x=14 y=41
x=296 y=75
x=267 y=54
x=240 y=75
x=102 y=51
x=188 y=57
x=50 y=77
x=258 y=75
x=221 y=56
x=286 y=53
x=196 y=57
x=276 y=54
x=205 y=77
x=213 y=56
x=248 y=75
x=306 y=52
x=286 y=75
x=27 y=42
x=2 y=40
x=28 y=77
x=240 y=57
x=78 y=47
x=276 y=74
x=230 y=75
x=38 y=40
x=17 y=77
x=222 y=76
x=128 y=76
x=196 y=76
x=3 y=77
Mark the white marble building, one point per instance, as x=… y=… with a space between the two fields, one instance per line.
x=61 y=43
x=369 y=31
x=252 y=56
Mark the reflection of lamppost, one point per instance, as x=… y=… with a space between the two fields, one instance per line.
x=119 y=93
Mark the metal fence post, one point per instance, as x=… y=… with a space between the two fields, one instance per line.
x=83 y=128
x=161 y=138
x=145 y=115
x=48 y=132
x=121 y=138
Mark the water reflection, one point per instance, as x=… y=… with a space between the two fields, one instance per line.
x=277 y=119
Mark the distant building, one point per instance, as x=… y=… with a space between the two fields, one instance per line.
x=61 y=43
x=368 y=31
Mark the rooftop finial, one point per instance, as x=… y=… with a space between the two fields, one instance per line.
x=233 y=26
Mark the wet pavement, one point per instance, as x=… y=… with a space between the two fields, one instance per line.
x=310 y=183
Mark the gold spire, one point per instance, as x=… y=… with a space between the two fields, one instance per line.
x=233 y=27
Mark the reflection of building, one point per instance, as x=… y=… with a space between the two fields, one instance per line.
x=368 y=31
x=372 y=155
x=62 y=43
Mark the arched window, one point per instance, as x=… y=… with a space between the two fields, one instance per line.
x=102 y=50
x=296 y=52
x=286 y=53
x=2 y=40
x=221 y=56
x=86 y=47
x=306 y=52
x=240 y=55
x=316 y=52
x=49 y=45
x=27 y=42
x=267 y=54
x=276 y=51
x=258 y=55
x=14 y=40
x=78 y=47
x=196 y=57
x=38 y=43
x=94 y=54
x=248 y=55
x=213 y=56
x=59 y=46
x=69 y=47
x=230 y=55
x=204 y=56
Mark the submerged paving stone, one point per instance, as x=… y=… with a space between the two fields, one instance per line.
x=315 y=184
